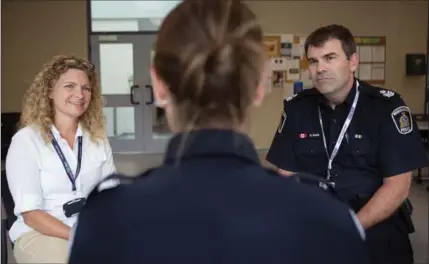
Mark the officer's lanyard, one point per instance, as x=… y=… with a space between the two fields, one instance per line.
x=69 y=172
x=342 y=133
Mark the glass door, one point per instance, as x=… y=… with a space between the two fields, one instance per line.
x=156 y=130
x=116 y=60
x=134 y=123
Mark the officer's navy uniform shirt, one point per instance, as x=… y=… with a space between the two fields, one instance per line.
x=212 y=202
x=382 y=139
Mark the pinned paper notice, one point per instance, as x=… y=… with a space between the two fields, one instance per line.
x=286 y=38
x=293 y=73
x=279 y=64
x=296 y=51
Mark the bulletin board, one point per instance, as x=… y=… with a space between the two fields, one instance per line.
x=372 y=56
x=287 y=63
x=288 y=67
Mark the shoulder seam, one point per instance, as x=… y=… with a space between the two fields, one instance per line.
x=116 y=180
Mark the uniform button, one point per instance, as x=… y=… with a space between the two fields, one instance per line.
x=334 y=120
x=335 y=174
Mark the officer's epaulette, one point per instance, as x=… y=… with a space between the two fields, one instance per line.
x=116 y=180
x=384 y=94
x=303 y=94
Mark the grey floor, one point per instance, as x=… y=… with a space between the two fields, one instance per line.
x=135 y=163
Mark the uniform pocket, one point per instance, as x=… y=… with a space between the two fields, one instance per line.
x=360 y=153
x=311 y=156
x=360 y=147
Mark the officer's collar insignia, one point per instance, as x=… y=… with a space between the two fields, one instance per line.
x=402 y=118
x=387 y=94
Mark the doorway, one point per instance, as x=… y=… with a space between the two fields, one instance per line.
x=133 y=123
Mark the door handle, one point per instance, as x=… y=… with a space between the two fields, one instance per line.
x=132 y=89
x=151 y=94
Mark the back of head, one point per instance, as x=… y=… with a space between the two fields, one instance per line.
x=321 y=35
x=210 y=55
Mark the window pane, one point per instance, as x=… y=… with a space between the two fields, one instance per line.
x=116 y=68
x=160 y=126
x=110 y=121
x=104 y=25
x=147 y=15
x=120 y=122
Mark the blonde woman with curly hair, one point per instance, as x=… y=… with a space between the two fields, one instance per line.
x=58 y=155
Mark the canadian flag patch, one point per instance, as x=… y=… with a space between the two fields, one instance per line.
x=302 y=135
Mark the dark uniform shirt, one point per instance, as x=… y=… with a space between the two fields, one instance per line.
x=381 y=141
x=212 y=202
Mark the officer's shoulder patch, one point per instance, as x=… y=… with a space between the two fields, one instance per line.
x=402 y=119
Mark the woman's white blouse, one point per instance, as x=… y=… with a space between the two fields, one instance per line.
x=37 y=178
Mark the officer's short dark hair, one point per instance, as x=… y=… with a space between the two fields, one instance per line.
x=210 y=54
x=321 y=35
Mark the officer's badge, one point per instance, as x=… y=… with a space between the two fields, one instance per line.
x=387 y=94
x=402 y=118
x=282 y=122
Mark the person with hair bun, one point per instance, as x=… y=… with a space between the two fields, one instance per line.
x=211 y=201
x=58 y=155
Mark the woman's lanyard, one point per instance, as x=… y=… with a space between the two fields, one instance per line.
x=72 y=177
x=342 y=133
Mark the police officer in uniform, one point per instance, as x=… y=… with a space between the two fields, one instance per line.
x=360 y=138
x=211 y=201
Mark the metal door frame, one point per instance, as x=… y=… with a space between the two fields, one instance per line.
x=134 y=99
